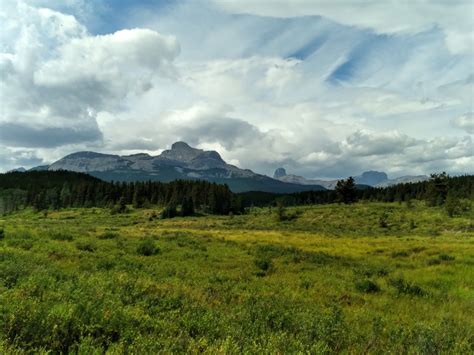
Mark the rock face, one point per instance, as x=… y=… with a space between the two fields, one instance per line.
x=279 y=173
x=180 y=162
x=371 y=178
x=181 y=151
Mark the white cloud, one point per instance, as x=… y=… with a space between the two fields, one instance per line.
x=465 y=122
x=56 y=76
x=118 y=57
x=454 y=17
x=325 y=100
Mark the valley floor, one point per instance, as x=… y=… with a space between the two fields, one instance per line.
x=367 y=278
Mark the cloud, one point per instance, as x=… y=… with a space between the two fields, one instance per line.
x=465 y=122
x=56 y=76
x=112 y=59
x=20 y=135
x=363 y=143
x=14 y=158
x=323 y=98
x=392 y=152
x=454 y=17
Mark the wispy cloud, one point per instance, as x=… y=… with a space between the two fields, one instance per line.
x=324 y=90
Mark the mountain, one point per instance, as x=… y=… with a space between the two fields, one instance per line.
x=179 y=162
x=403 y=180
x=17 y=170
x=280 y=174
x=371 y=178
x=367 y=178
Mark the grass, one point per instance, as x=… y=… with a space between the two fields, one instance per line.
x=333 y=280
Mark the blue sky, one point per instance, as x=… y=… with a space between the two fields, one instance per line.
x=323 y=88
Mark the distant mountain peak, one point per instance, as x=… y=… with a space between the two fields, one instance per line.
x=180 y=145
x=17 y=170
x=279 y=173
x=181 y=151
x=371 y=177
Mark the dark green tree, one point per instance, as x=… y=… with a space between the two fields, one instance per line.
x=346 y=191
x=187 y=206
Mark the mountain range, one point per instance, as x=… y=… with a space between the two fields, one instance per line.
x=185 y=162
x=370 y=178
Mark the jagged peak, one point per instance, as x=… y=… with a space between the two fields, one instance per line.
x=280 y=172
x=209 y=154
x=180 y=145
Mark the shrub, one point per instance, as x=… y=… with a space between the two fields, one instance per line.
x=451 y=205
x=264 y=264
x=169 y=212
x=147 y=248
x=397 y=254
x=283 y=215
x=86 y=246
x=383 y=220
x=367 y=286
x=108 y=235
x=63 y=236
x=2 y=233
x=446 y=257
x=404 y=287
x=433 y=262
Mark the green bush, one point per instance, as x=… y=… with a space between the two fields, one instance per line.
x=108 y=235
x=446 y=257
x=86 y=246
x=169 y=212
x=147 y=248
x=400 y=253
x=383 y=220
x=404 y=287
x=264 y=264
x=367 y=286
x=63 y=236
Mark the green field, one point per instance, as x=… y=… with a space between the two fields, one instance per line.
x=363 y=278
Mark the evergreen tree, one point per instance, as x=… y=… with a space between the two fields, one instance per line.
x=452 y=204
x=437 y=189
x=346 y=191
x=187 y=206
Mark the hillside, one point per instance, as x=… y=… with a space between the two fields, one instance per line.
x=335 y=280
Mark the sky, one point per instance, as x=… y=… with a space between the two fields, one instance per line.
x=325 y=89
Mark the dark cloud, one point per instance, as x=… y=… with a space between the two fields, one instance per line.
x=21 y=135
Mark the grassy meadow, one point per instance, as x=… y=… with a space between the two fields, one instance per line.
x=363 y=278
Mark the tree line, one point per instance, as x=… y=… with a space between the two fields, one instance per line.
x=440 y=189
x=54 y=190
x=45 y=190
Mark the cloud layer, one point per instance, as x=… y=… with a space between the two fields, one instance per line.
x=351 y=88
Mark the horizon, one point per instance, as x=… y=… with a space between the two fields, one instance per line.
x=242 y=167
x=323 y=89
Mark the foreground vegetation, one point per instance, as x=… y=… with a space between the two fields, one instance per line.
x=364 y=278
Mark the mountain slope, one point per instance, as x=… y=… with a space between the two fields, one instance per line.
x=179 y=162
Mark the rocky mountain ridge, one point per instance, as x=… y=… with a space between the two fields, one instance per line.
x=180 y=162
x=370 y=178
